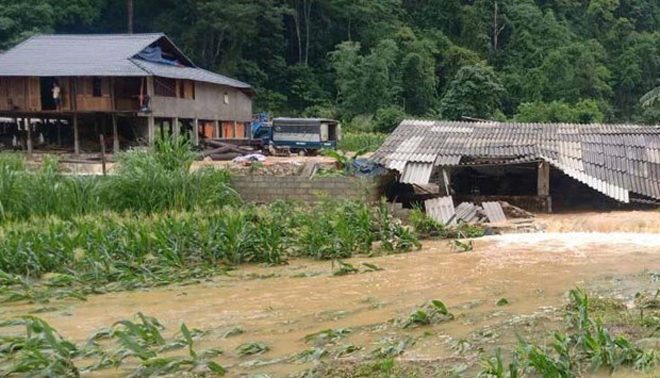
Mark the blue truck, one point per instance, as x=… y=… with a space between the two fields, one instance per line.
x=304 y=136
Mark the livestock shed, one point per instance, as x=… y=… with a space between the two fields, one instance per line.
x=67 y=90
x=535 y=166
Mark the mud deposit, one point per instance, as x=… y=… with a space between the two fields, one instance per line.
x=280 y=306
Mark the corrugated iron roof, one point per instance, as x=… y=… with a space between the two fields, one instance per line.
x=417 y=173
x=76 y=55
x=613 y=159
x=98 y=55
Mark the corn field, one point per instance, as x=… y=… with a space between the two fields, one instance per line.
x=145 y=182
x=367 y=142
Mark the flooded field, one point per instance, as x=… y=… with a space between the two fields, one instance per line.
x=507 y=284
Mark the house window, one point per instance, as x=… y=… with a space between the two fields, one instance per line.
x=97 y=87
x=226 y=98
x=165 y=87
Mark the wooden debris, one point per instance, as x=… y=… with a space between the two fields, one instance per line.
x=514 y=212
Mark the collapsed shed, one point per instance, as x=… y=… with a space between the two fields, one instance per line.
x=129 y=87
x=530 y=165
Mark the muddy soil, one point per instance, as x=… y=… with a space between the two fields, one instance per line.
x=279 y=306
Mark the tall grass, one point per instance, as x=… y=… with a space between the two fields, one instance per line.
x=147 y=182
x=356 y=141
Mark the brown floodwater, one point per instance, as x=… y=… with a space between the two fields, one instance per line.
x=278 y=307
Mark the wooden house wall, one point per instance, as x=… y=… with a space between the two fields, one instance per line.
x=20 y=93
x=85 y=99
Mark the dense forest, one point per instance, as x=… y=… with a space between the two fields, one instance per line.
x=369 y=62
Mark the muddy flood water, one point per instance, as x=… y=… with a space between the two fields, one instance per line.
x=279 y=306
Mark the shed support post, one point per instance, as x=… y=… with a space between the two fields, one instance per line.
x=216 y=125
x=196 y=132
x=544 y=179
x=176 y=129
x=235 y=131
x=115 y=134
x=28 y=129
x=544 y=184
x=76 y=136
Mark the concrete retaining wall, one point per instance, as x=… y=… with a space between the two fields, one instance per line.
x=266 y=189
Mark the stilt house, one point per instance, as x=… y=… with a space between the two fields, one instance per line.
x=129 y=88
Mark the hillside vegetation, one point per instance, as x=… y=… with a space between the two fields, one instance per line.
x=372 y=62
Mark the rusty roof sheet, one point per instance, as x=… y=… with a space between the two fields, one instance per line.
x=613 y=159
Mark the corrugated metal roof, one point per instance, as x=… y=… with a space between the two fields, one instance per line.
x=467 y=212
x=76 y=55
x=440 y=209
x=613 y=159
x=98 y=55
x=494 y=212
x=417 y=173
x=188 y=73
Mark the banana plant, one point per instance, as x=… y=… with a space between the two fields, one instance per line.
x=345 y=163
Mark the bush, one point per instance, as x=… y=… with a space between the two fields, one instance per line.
x=387 y=119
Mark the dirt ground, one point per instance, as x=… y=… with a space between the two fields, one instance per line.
x=280 y=306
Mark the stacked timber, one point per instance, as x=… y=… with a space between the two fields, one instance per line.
x=223 y=150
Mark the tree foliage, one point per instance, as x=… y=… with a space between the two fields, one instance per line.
x=427 y=58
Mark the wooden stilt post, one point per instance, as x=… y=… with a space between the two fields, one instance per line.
x=216 y=124
x=175 y=128
x=196 y=132
x=76 y=136
x=151 y=122
x=115 y=134
x=235 y=131
x=28 y=129
x=59 y=132
x=103 y=159
x=151 y=129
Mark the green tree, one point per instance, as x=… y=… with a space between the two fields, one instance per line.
x=387 y=119
x=585 y=111
x=475 y=92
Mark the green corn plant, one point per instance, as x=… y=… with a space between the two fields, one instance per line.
x=352 y=141
x=41 y=352
x=342 y=268
x=252 y=349
x=431 y=312
x=327 y=336
x=494 y=367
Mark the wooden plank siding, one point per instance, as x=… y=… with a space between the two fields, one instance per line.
x=86 y=100
x=13 y=92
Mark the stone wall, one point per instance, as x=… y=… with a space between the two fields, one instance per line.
x=267 y=189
